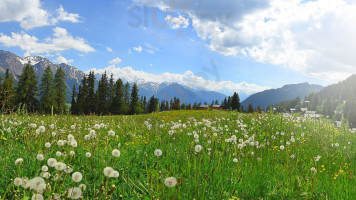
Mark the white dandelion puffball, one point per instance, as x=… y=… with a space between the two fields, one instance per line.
x=235 y=160
x=18 y=181
x=45 y=175
x=111 y=133
x=60 y=142
x=96 y=126
x=68 y=170
x=313 y=170
x=18 y=161
x=114 y=174
x=25 y=182
x=198 y=148
x=108 y=171
x=44 y=168
x=72 y=127
x=87 y=137
x=70 y=137
x=38 y=131
x=88 y=154
x=42 y=129
x=60 y=166
x=48 y=145
x=58 y=153
x=37 y=197
x=51 y=162
x=74 y=193
x=170 y=181
x=40 y=157
x=116 y=153
x=158 y=152
x=38 y=184
x=54 y=134
x=281 y=147
x=77 y=177
x=72 y=153
x=317 y=158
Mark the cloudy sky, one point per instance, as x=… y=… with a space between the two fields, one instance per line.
x=241 y=45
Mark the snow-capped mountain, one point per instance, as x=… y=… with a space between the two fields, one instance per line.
x=161 y=90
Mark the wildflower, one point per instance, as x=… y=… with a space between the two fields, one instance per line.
x=44 y=168
x=96 y=126
x=18 y=161
x=281 y=147
x=60 y=142
x=116 y=153
x=170 y=181
x=60 y=166
x=18 y=181
x=54 y=134
x=77 y=177
x=313 y=170
x=235 y=160
x=45 y=175
x=74 y=193
x=68 y=170
x=114 y=174
x=72 y=127
x=48 y=145
x=58 y=153
x=108 y=171
x=51 y=162
x=317 y=158
x=87 y=137
x=37 y=197
x=37 y=184
x=72 y=153
x=70 y=137
x=111 y=133
x=40 y=157
x=42 y=129
x=292 y=156
x=198 y=148
x=88 y=154
x=158 y=152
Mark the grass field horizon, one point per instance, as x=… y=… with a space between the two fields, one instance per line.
x=176 y=155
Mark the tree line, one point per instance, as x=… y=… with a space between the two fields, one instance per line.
x=29 y=96
x=102 y=97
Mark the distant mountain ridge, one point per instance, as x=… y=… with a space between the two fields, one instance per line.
x=163 y=91
x=287 y=92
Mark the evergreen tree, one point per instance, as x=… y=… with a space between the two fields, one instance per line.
x=91 y=98
x=167 y=106
x=258 y=109
x=235 y=102
x=82 y=96
x=60 y=91
x=111 y=89
x=7 y=95
x=134 y=101
x=152 y=104
x=47 y=92
x=249 y=108
x=74 y=106
x=228 y=102
x=162 y=106
x=127 y=93
x=118 y=104
x=26 y=91
x=102 y=95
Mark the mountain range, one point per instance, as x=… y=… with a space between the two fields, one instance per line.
x=162 y=91
x=287 y=92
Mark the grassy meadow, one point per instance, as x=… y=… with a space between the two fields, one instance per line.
x=176 y=155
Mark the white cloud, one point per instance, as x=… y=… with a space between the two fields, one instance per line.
x=62 y=59
x=138 y=49
x=109 y=49
x=115 y=61
x=188 y=79
x=30 y=14
x=313 y=37
x=61 y=41
x=177 y=22
x=64 y=16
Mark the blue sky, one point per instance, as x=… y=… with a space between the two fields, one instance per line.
x=254 y=44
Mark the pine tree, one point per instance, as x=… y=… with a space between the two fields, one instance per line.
x=152 y=104
x=74 y=106
x=47 y=91
x=127 y=93
x=235 y=102
x=249 y=108
x=134 y=101
x=7 y=95
x=60 y=91
x=102 y=95
x=111 y=89
x=26 y=91
x=118 y=104
x=91 y=98
x=82 y=96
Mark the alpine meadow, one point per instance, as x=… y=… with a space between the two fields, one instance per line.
x=177 y=100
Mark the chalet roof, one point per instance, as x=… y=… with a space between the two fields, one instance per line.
x=216 y=106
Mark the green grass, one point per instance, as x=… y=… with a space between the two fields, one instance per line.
x=263 y=170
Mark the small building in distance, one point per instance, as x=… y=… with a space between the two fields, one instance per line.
x=203 y=107
x=216 y=107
